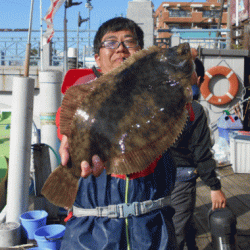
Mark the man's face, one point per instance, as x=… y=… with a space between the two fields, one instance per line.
x=109 y=59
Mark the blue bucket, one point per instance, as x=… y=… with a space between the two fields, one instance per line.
x=50 y=236
x=31 y=221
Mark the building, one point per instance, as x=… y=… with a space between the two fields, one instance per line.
x=240 y=24
x=189 y=15
x=141 y=12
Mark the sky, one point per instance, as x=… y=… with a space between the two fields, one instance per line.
x=15 y=14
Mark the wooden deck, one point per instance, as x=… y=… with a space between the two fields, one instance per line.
x=237 y=190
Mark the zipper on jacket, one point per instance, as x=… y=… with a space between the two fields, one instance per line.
x=126 y=219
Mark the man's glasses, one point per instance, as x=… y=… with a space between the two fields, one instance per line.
x=111 y=44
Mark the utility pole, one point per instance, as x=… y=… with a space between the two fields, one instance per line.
x=80 y=21
x=68 y=4
x=89 y=7
x=219 y=23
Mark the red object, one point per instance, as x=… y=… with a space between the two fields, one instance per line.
x=149 y=170
x=59 y=135
x=231 y=118
x=190 y=111
x=73 y=77
x=76 y=77
x=70 y=215
x=54 y=7
x=233 y=89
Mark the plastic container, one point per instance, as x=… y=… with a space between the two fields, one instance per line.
x=239 y=151
x=10 y=234
x=50 y=236
x=227 y=124
x=31 y=221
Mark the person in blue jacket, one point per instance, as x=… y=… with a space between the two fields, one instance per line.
x=101 y=217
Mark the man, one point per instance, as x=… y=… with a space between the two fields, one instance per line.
x=200 y=73
x=192 y=157
x=115 y=41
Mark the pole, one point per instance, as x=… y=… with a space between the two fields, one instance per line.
x=65 y=58
x=20 y=140
x=237 y=20
x=20 y=148
x=229 y=24
x=89 y=7
x=50 y=91
x=84 y=55
x=78 y=25
x=89 y=28
x=41 y=37
x=219 y=23
x=27 y=55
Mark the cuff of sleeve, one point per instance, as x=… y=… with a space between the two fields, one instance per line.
x=216 y=186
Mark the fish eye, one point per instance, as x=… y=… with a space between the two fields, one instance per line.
x=236 y=118
x=226 y=118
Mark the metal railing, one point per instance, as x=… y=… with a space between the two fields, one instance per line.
x=13 y=47
x=204 y=38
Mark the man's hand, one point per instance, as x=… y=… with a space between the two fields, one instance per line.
x=64 y=150
x=96 y=169
x=218 y=199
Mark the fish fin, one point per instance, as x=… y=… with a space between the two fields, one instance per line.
x=61 y=187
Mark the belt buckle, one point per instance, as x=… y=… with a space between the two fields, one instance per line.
x=127 y=209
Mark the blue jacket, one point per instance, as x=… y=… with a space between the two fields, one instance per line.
x=149 y=231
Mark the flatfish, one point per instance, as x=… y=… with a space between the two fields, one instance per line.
x=128 y=117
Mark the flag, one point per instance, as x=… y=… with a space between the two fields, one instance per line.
x=54 y=7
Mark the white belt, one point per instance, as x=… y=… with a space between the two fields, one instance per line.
x=123 y=210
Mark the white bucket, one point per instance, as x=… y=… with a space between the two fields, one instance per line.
x=10 y=234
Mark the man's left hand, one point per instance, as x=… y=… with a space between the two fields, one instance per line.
x=218 y=199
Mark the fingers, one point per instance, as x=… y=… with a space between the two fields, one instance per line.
x=218 y=199
x=218 y=205
x=64 y=150
x=96 y=169
x=86 y=169
x=98 y=165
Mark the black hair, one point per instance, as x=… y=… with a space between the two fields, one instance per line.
x=200 y=71
x=117 y=24
x=199 y=68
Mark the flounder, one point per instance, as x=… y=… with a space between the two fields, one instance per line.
x=128 y=117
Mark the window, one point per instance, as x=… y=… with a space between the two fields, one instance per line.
x=178 y=26
x=211 y=13
x=157 y=21
x=179 y=13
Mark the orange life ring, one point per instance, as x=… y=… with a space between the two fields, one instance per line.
x=233 y=88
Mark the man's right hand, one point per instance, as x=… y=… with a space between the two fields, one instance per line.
x=96 y=169
x=87 y=170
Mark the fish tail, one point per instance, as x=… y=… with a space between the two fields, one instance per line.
x=61 y=187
